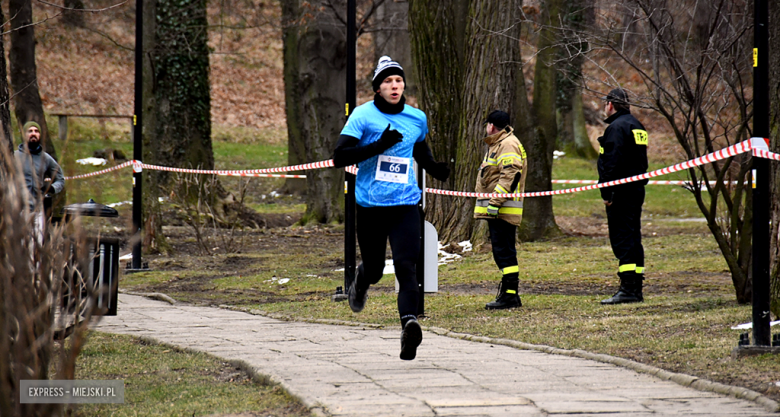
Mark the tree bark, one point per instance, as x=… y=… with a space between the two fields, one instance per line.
x=774 y=146
x=322 y=63
x=296 y=151
x=177 y=102
x=468 y=60
x=6 y=138
x=538 y=218
x=582 y=146
x=392 y=39
x=572 y=133
x=437 y=29
x=24 y=78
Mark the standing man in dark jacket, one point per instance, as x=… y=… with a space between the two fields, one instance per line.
x=623 y=154
x=42 y=174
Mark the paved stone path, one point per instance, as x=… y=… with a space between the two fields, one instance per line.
x=355 y=371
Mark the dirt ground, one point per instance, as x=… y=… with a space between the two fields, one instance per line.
x=282 y=235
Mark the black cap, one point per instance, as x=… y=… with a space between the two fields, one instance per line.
x=499 y=119
x=619 y=96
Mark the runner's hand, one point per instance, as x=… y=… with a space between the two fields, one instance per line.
x=440 y=171
x=389 y=138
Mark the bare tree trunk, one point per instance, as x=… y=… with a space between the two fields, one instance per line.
x=154 y=239
x=6 y=139
x=322 y=63
x=493 y=74
x=468 y=59
x=774 y=179
x=392 y=39
x=572 y=133
x=296 y=151
x=24 y=78
x=538 y=218
x=582 y=146
x=438 y=35
x=177 y=102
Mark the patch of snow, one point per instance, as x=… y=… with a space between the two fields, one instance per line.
x=744 y=326
x=92 y=161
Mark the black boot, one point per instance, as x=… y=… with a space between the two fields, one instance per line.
x=507 y=295
x=630 y=290
x=638 y=287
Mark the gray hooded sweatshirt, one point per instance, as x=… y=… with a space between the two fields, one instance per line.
x=36 y=167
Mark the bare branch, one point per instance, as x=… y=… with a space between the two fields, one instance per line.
x=82 y=10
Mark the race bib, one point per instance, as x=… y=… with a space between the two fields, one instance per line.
x=392 y=169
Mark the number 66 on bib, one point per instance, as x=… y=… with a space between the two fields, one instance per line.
x=392 y=169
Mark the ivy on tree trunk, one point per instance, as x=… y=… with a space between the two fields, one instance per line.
x=176 y=99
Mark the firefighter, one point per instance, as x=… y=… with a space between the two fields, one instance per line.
x=623 y=154
x=503 y=171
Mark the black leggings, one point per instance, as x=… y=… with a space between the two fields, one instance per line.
x=401 y=224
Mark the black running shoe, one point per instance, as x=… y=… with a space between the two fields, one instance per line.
x=411 y=337
x=357 y=298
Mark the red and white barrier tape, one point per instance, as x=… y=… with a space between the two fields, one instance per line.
x=654 y=182
x=759 y=146
x=138 y=166
x=761 y=153
x=706 y=159
x=244 y=173
x=96 y=173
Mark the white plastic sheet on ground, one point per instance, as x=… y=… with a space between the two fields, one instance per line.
x=744 y=326
x=444 y=258
x=92 y=161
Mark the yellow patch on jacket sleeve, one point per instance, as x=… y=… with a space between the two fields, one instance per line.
x=640 y=136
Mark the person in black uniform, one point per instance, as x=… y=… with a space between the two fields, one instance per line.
x=623 y=154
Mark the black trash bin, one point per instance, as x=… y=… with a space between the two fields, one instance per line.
x=102 y=269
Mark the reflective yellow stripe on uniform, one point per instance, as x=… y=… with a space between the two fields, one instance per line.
x=509 y=207
x=640 y=270
x=501 y=210
x=601 y=150
x=511 y=292
x=510 y=270
x=508 y=158
x=627 y=267
x=500 y=189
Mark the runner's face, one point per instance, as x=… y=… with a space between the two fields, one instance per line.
x=392 y=88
